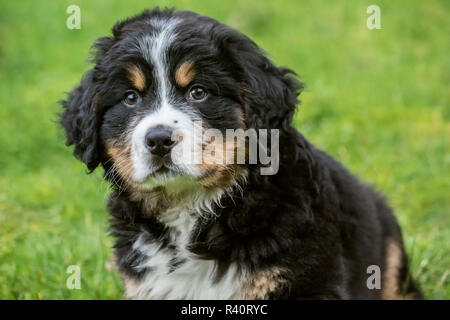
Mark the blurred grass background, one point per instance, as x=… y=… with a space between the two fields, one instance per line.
x=377 y=100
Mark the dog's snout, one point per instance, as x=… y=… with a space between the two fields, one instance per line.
x=159 y=140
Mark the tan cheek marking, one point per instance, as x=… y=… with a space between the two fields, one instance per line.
x=121 y=157
x=120 y=152
x=218 y=177
x=137 y=78
x=221 y=174
x=261 y=284
x=122 y=160
x=185 y=74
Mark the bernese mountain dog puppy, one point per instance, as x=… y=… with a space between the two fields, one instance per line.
x=222 y=230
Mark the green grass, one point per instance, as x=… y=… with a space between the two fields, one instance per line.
x=377 y=100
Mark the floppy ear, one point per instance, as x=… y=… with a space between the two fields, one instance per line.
x=79 y=119
x=80 y=116
x=269 y=93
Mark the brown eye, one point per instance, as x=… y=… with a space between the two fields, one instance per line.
x=131 y=98
x=198 y=93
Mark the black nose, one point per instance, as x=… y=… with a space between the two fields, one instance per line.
x=159 y=140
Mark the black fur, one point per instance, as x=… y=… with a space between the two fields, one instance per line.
x=313 y=218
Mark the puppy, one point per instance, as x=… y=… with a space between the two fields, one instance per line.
x=217 y=228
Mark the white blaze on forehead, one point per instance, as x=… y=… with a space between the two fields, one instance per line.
x=154 y=49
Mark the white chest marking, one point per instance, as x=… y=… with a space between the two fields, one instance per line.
x=193 y=278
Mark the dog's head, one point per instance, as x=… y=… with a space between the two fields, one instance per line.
x=158 y=84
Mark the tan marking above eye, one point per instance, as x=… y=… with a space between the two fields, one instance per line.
x=185 y=73
x=137 y=78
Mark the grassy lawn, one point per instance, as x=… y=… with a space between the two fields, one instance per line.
x=377 y=100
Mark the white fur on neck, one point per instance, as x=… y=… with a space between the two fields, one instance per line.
x=195 y=277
